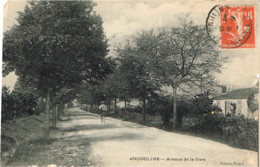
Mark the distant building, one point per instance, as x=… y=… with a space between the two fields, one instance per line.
x=75 y=103
x=235 y=102
x=132 y=102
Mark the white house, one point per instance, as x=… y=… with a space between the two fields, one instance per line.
x=235 y=102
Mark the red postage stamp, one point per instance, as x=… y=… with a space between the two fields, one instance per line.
x=237 y=26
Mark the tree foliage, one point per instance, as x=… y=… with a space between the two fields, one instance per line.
x=19 y=102
x=181 y=57
x=57 y=44
x=135 y=74
x=252 y=103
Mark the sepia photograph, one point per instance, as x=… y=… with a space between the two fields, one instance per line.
x=130 y=83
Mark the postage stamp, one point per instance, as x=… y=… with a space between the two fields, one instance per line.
x=236 y=26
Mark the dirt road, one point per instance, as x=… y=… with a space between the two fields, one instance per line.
x=84 y=141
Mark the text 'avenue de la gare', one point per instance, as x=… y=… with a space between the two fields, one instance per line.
x=133 y=158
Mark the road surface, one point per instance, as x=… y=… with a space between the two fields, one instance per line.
x=84 y=141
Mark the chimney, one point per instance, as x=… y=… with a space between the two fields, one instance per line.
x=224 y=89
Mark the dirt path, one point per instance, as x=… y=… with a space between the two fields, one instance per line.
x=84 y=141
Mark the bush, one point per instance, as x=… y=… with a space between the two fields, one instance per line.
x=241 y=132
x=40 y=108
x=126 y=115
x=17 y=104
x=161 y=105
x=70 y=105
x=198 y=105
x=113 y=112
x=201 y=104
x=136 y=109
x=209 y=123
x=236 y=130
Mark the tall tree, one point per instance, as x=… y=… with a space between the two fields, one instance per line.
x=57 y=44
x=180 y=56
x=110 y=88
x=135 y=73
x=252 y=104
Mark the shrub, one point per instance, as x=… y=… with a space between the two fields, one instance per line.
x=209 y=123
x=114 y=112
x=241 y=132
x=17 y=104
x=161 y=105
x=70 y=105
x=236 y=130
x=136 y=109
x=201 y=104
x=7 y=105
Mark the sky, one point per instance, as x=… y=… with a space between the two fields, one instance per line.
x=122 y=19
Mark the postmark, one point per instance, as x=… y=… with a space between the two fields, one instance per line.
x=232 y=26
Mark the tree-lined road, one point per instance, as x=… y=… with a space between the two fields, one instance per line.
x=84 y=141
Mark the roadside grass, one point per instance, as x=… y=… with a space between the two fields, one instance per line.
x=26 y=134
x=24 y=128
x=17 y=132
x=25 y=152
x=6 y=143
x=53 y=152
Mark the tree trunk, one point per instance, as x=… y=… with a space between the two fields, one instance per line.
x=59 y=110
x=201 y=86
x=144 y=108
x=91 y=107
x=56 y=116
x=109 y=103
x=46 y=130
x=125 y=106
x=54 y=109
x=62 y=107
x=45 y=107
x=175 y=119
x=115 y=105
x=49 y=112
x=189 y=116
x=152 y=108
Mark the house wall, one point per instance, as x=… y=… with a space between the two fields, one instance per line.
x=220 y=104
x=244 y=108
x=241 y=106
x=256 y=113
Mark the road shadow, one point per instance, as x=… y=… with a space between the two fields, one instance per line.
x=78 y=114
x=89 y=127
x=83 y=140
x=123 y=136
x=85 y=117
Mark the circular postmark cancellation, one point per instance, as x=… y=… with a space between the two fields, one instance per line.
x=232 y=26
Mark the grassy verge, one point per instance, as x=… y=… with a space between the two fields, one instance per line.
x=55 y=151
x=15 y=133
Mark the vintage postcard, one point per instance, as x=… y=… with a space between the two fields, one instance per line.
x=118 y=83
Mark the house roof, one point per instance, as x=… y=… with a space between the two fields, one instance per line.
x=238 y=94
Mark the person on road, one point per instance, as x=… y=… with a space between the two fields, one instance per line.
x=103 y=109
